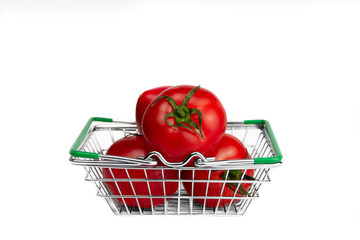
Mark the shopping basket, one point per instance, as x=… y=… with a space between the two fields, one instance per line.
x=89 y=151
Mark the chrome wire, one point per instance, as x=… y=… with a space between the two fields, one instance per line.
x=100 y=137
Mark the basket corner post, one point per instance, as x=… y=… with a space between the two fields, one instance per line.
x=278 y=155
x=74 y=148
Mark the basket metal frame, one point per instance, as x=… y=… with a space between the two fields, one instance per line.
x=181 y=203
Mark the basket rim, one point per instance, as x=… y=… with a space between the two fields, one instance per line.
x=82 y=157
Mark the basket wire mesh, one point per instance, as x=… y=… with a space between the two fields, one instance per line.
x=100 y=137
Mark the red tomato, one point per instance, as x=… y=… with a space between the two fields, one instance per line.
x=143 y=102
x=134 y=146
x=229 y=148
x=184 y=119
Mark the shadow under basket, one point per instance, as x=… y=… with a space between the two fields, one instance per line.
x=89 y=151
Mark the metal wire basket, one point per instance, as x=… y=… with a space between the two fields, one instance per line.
x=89 y=151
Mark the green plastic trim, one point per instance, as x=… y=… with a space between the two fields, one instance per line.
x=278 y=155
x=74 y=152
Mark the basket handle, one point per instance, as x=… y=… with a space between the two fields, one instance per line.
x=73 y=150
x=265 y=160
x=268 y=129
x=194 y=155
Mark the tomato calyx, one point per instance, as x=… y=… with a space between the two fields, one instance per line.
x=182 y=113
x=236 y=175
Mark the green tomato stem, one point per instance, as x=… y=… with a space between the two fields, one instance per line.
x=182 y=113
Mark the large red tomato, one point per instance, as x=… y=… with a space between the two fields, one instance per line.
x=134 y=146
x=229 y=148
x=143 y=102
x=184 y=119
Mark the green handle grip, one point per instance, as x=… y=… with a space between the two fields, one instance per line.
x=278 y=155
x=74 y=152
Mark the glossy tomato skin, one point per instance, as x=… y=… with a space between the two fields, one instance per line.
x=229 y=148
x=143 y=102
x=134 y=146
x=176 y=143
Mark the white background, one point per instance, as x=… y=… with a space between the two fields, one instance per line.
x=294 y=63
